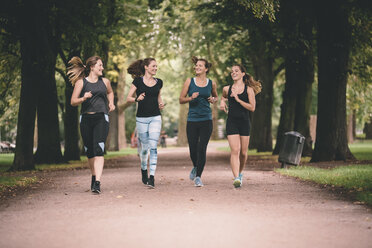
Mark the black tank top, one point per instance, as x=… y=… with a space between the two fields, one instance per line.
x=236 y=110
x=98 y=103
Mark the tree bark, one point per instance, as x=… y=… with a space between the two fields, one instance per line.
x=334 y=35
x=112 y=138
x=32 y=17
x=122 y=142
x=299 y=74
x=182 y=121
x=261 y=137
x=368 y=130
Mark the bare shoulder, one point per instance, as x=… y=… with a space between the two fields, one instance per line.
x=250 y=90
x=105 y=80
x=79 y=83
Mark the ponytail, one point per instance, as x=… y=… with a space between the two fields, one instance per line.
x=251 y=82
x=77 y=70
x=137 y=68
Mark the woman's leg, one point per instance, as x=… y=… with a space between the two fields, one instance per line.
x=205 y=132
x=154 y=134
x=234 y=143
x=100 y=133
x=142 y=124
x=244 y=141
x=192 y=131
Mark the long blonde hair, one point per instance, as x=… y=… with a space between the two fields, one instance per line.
x=77 y=70
x=250 y=81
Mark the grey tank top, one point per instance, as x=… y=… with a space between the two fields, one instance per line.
x=98 y=103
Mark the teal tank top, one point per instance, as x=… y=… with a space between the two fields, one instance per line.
x=199 y=108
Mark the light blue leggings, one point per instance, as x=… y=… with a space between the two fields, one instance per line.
x=148 y=129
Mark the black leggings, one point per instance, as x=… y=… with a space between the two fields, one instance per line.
x=94 y=130
x=198 y=135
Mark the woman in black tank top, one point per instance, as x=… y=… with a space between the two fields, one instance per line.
x=95 y=94
x=241 y=101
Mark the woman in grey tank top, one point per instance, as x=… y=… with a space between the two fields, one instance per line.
x=95 y=94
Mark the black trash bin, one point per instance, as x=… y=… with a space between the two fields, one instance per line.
x=291 y=150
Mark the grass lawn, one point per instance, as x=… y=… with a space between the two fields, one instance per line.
x=355 y=178
x=8 y=179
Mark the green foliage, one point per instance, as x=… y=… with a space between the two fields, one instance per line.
x=354 y=178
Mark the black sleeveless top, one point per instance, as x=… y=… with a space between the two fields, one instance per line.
x=98 y=103
x=236 y=110
x=149 y=106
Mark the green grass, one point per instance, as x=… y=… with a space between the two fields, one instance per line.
x=355 y=178
x=13 y=179
x=362 y=149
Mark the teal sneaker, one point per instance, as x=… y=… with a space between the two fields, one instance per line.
x=237 y=183
x=241 y=179
x=198 y=182
x=193 y=174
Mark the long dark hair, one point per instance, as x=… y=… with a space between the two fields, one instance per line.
x=78 y=70
x=249 y=80
x=137 y=68
x=195 y=60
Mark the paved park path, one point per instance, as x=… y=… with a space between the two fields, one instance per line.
x=268 y=211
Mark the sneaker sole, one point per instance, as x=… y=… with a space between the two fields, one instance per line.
x=150 y=186
x=237 y=184
x=199 y=186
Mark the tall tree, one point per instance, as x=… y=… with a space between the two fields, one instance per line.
x=296 y=21
x=334 y=43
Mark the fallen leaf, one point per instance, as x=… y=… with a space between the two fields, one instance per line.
x=119 y=196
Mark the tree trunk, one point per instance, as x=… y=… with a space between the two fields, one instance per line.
x=350 y=128
x=368 y=130
x=261 y=137
x=112 y=138
x=182 y=121
x=299 y=74
x=71 y=123
x=334 y=36
x=122 y=142
x=33 y=41
x=48 y=147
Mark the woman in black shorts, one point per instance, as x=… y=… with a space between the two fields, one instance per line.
x=95 y=94
x=241 y=100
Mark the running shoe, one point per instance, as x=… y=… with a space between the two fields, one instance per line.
x=145 y=178
x=151 y=182
x=97 y=187
x=92 y=183
x=198 y=182
x=193 y=174
x=237 y=183
x=241 y=179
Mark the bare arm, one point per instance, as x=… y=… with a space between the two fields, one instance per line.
x=160 y=101
x=183 y=96
x=214 y=98
x=75 y=99
x=223 y=105
x=110 y=94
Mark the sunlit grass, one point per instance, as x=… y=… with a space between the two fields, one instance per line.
x=362 y=149
x=11 y=181
x=355 y=178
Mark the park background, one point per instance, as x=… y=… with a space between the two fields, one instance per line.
x=313 y=59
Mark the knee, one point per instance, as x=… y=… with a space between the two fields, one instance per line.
x=235 y=152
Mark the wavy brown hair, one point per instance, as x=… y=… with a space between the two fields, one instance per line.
x=249 y=80
x=207 y=65
x=77 y=70
x=137 y=68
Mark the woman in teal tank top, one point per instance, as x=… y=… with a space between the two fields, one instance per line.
x=199 y=92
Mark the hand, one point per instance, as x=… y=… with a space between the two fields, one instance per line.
x=223 y=106
x=234 y=94
x=161 y=105
x=211 y=99
x=141 y=97
x=111 y=107
x=194 y=95
x=87 y=95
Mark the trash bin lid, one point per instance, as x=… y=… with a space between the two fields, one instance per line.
x=294 y=133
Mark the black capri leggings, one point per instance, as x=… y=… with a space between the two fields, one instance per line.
x=198 y=135
x=94 y=130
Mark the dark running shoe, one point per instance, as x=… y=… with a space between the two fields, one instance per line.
x=92 y=183
x=97 y=187
x=151 y=182
x=145 y=178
